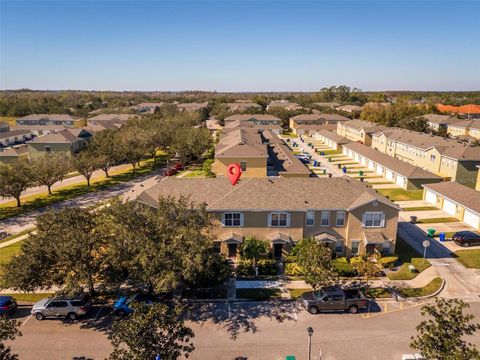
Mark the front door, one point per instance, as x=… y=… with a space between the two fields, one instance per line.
x=232 y=251
x=277 y=251
x=370 y=249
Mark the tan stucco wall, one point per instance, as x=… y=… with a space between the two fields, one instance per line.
x=37 y=150
x=477 y=187
x=256 y=167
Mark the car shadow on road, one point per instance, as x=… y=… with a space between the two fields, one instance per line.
x=237 y=317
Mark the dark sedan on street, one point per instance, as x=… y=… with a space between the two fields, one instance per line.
x=466 y=238
x=8 y=305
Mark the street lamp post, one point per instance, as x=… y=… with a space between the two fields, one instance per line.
x=310 y=333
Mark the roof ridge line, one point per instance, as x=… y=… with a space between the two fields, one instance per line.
x=230 y=192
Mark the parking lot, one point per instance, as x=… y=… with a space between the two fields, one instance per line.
x=254 y=330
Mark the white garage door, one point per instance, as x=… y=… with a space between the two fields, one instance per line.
x=389 y=174
x=472 y=219
x=371 y=164
x=364 y=161
x=449 y=207
x=431 y=197
x=379 y=170
x=400 y=181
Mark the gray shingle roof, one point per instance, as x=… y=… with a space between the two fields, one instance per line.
x=459 y=193
x=267 y=194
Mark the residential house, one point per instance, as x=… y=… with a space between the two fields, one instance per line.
x=297 y=123
x=260 y=120
x=113 y=118
x=284 y=104
x=272 y=126
x=51 y=119
x=436 y=121
x=455 y=199
x=405 y=175
x=351 y=109
x=345 y=214
x=359 y=130
x=38 y=130
x=241 y=105
x=4 y=127
x=477 y=187
x=193 y=106
x=12 y=154
x=444 y=157
x=464 y=128
x=332 y=139
x=242 y=146
x=470 y=111
x=329 y=105
x=68 y=141
x=13 y=137
x=147 y=107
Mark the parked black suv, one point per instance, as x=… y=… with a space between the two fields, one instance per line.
x=466 y=238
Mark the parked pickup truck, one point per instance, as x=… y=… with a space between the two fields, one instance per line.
x=334 y=299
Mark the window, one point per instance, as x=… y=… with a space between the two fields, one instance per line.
x=340 y=218
x=339 y=246
x=310 y=218
x=355 y=247
x=325 y=219
x=432 y=157
x=232 y=219
x=373 y=219
x=243 y=165
x=48 y=149
x=279 y=219
x=57 y=304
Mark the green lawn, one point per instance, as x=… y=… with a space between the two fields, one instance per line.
x=406 y=256
x=437 y=220
x=30 y=297
x=420 y=208
x=378 y=293
x=401 y=194
x=297 y=293
x=10 y=120
x=288 y=134
x=258 y=294
x=469 y=258
x=428 y=289
x=331 y=152
x=69 y=192
x=7 y=252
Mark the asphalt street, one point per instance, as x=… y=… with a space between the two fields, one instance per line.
x=241 y=331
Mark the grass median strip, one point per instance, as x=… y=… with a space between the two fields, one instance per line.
x=437 y=220
x=38 y=201
x=297 y=293
x=428 y=289
x=420 y=208
x=259 y=294
x=407 y=256
x=469 y=258
x=30 y=297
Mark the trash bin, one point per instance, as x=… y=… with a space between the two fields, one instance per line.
x=360 y=173
x=344 y=170
x=324 y=171
x=442 y=236
x=290 y=357
x=431 y=232
x=339 y=166
x=362 y=178
x=330 y=175
x=329 y=159
x=413 y=219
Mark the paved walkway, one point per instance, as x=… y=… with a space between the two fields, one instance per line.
x=129 y=190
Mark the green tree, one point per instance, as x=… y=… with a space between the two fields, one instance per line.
x=50 y=168
x=252 y=248
x=190 y=143
x=415 y=123
x=315 y=259
x=14 y=179
x=151 y=330
x=367 y=269
x=86 y=162
x=106 y=149
x=8 y=331
x=133 y=145
x=67 y=250
x=442 y=336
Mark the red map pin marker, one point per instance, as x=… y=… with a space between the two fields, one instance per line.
x=234 y=172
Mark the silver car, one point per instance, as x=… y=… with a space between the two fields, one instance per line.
x=70 y=308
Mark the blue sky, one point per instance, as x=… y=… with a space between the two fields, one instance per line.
x=239 y=46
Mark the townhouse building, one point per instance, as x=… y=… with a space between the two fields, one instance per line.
x=243 y=105
x=262 y=121
x=51 y=119
x=349 y=217
x=332 y=139
x=359 y=130
x=283 y=104
x=464 y=128
x=436 y=121
x=444 y=157
x=13 y=137
x=301 y=124
x=12 y=154
x=68 y=141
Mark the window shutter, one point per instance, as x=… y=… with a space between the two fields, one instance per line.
x=223 y=219
x=382 y=224
x=241 y=219
x=269 y=221
x=364 y=218
x=288 y=219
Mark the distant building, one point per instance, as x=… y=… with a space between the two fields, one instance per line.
x=300 y=123
x=359 y=130
x=193 y=106
x=262 y=121
x=465 y=128
x=436 y=121
x=147 y=107
x=68 y=141
x=14 y=137
x=470 y=111
x=284 y=104
x=352 y=109
x=12 y=154
x=242 y=106
x=51 y=119
x=4 y=127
